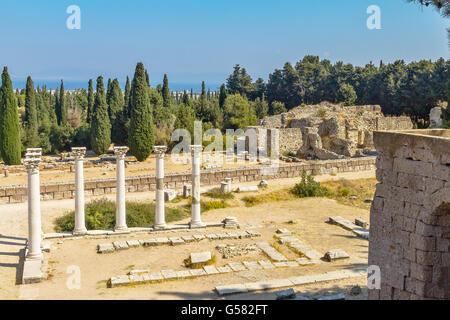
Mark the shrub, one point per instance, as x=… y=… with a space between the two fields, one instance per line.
x=216 y=193
x=344 y=192
x=101 y=214
x=212 y=205
x=308 y=187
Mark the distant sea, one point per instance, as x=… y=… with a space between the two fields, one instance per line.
x=76 y=84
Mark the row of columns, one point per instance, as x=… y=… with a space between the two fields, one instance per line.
x=33 y=160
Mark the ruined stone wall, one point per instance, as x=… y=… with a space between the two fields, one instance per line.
x=410 y=215
x=98 y=187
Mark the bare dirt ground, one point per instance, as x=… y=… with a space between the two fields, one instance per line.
x=311 y=228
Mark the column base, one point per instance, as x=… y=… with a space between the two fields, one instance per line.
x=123 y=228
x=160 y=227
x=197 y=225
x=79 y=232
x=34 y=256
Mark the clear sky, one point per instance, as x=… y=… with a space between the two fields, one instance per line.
x=199 y=40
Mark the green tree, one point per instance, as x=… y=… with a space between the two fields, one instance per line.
x=166 y=92
x=91 y=97
x=277 y=107
x=141 y=132
x=239 y=82
x=127 y=97
x=61 y=106
x=222 y=96
x=347 y=94
x=10 y=145
x=261 y=107
x=31 y=118
x=100 y=126
x=116 y=101
x=238 y=112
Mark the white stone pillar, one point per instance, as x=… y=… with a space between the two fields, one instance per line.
x=160 y=218
x=80 y=224
x=196 y=220
x=121 y=216
x=31 y=162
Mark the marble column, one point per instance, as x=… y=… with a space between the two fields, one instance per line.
x=196 y=220
x=121 y=216
x=80 y=224
x=160 y=217
x=31 y=162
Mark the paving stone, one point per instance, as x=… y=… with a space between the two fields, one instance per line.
x=231 y=289
x=105 y=247
x=224 y=269
x=120 y=245
x=252 y=265
x=266 y=264
x=132 y=272
x=176 y=241
x=233 y=235
x=280 y=264
x=210 y=270
x=336 y=254
x=150 y=243
x=243 y=234
x=119 y=281
x=283 y=231
x=169 y=274
x=156 y=276
x=270 y=251
x=304 y=249
x=344 y=223
x=133 y=243
x=197 y=272
x=188 y=238
x=200 y=257
x=339 y=296
x=183 y=274
x=268 y=284
x=236 y=266
x=136 y=278
x=161 y=241
x=212 y=236
x=361 y=223
x=292 y=264
x=248 y=189
x=198 y=237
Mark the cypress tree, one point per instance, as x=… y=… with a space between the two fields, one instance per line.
x=100 y=125
x=147 y=78
x=91 y=97
x=61 y=109
x=127 y=97
x=31 y=119
x=10 y=145
x=166 y=92
x=186 y=98
x=115 y=101
x=108 y=91
x=222 y=96
x=203 y=106
x=141 y=132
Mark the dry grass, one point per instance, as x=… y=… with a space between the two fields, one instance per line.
x=274 y=196
x=342 y=189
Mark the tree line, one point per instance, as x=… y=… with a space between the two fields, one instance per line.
x=140 y=115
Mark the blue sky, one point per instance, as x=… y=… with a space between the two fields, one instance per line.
x=200 y=40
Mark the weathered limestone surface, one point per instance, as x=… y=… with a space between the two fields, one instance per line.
x=334 y=129
x=410 y=215
x=271 y=252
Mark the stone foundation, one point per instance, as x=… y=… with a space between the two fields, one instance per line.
x=145 y=183
x=410 y=215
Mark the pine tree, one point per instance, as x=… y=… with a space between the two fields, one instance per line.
x=166 y=92
x=100 y=125
x=10 y=145
x=91 y=98
x=222 y=96
x=203 y=104
x=31 y=119
x=61 y=108
x=141 y=133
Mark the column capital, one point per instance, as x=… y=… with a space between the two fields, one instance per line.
x=32 y=159
x=196 y=149
x=159 y=150
x=78 y=153
x=120 y=152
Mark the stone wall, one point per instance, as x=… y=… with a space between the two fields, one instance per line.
x=410 y=215
x=65 y=190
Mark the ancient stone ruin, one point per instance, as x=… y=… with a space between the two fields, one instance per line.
x=410 y=215
x=328 y=131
